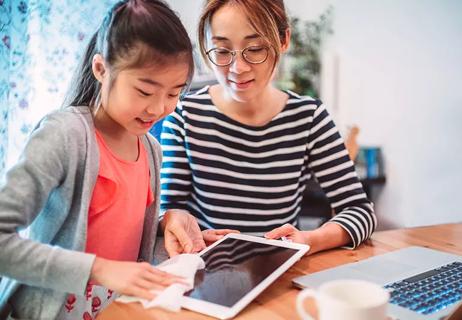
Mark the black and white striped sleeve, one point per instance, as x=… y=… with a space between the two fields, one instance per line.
x=335 y=172
x=175 y=172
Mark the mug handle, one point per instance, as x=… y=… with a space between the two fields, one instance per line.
x=306 y=293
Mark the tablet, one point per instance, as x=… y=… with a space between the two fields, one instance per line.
x=238 y=268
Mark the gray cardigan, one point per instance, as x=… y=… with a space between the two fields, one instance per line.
x=48 y=192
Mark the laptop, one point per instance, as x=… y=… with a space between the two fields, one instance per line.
x=424 y=284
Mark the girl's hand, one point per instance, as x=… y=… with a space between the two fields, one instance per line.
x=181 y=233
x=289 y=232
x=212 y=235
x=131 y=278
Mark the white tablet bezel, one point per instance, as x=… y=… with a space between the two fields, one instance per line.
x=224 y=312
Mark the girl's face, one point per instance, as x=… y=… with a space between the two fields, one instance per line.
x=140 y=97
x=230 y=29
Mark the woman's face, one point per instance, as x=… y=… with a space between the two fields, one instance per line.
x=230 y=29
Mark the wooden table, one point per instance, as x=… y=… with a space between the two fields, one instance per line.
x=278 y=301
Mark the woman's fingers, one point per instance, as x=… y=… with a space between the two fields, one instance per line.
x=280 y=232
x=177 y=240
x=212 y=235
x=224 y=231
x=198 y=244
x=172 y=245
x=182 y=233
x=183 y=239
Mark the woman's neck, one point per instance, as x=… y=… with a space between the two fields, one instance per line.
x=256 y=112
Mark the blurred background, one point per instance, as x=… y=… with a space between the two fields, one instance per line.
x=392 y=69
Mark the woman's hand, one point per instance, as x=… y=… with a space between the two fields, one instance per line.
x=329 y=235
x=131 y=278
x=212 y=235
x=181 y=232
x=289 y=232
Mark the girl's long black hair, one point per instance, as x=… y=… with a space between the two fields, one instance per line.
x=133 y=34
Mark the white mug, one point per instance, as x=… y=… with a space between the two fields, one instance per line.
x=346 y=300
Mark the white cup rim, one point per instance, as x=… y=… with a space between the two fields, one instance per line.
x=382 y=294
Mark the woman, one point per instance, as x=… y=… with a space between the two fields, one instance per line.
x=238 y=154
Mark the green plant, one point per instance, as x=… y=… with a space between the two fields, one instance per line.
x=304 y=57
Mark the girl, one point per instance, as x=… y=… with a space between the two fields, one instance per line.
x=86 y=186
x=238 y=154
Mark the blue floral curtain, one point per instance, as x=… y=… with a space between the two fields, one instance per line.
x=41 y=43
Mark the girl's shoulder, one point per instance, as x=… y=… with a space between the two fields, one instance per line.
x=71 y=126
x=69 y=118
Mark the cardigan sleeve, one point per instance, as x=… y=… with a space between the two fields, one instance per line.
x=335 y=172
x=26 y=189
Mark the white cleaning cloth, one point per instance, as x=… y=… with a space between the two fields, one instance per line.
x=184 y=265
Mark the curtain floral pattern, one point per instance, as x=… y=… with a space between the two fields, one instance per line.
x=41 y=42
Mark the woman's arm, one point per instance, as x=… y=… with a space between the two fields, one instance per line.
x=354 y=219
x=330 y=162
x=181 y=231
x=176 y=177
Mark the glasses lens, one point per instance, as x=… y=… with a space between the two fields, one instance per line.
x=220 y=56
x=255 y=54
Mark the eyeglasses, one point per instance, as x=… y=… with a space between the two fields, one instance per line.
x=223 y=57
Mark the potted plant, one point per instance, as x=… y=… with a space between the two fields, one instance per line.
x=302 y=68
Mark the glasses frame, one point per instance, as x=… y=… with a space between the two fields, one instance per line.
x=234 y=53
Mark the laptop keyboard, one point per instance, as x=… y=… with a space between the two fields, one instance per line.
x=430 y=291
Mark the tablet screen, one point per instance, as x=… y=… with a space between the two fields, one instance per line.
x=234 y=267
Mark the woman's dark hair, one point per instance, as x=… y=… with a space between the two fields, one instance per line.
x=134 y=33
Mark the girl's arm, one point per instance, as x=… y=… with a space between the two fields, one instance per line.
x=31 y=184
x=131 y=278
x=36 y=181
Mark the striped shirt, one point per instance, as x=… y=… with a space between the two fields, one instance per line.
x=232 y=175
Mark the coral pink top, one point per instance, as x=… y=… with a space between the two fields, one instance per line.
x=118 y=205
